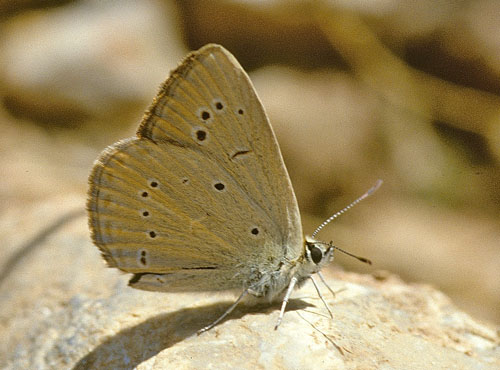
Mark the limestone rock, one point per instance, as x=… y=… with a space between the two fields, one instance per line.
x=62 y=308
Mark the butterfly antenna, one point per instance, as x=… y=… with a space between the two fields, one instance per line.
x=337 y=214
x=362 y=259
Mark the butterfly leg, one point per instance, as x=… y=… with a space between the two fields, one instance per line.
x=324 y=282
x=321 y=296
x=285 y=301
x=228 y=311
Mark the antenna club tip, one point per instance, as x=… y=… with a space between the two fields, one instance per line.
x=342 y=211
x=375 y=187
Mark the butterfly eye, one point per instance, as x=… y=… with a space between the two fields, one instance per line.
x=316 y=253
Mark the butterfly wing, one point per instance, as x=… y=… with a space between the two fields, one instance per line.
x=202 y=189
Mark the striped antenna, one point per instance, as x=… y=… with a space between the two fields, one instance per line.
x=337 y=214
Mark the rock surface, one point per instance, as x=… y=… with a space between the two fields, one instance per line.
x=61 y=308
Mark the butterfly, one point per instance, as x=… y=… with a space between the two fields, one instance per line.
x=200 y=198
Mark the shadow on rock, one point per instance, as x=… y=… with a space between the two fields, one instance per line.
x=137 y=344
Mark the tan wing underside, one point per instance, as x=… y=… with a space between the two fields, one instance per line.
x=154 y=205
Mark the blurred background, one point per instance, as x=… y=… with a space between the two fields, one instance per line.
x=405 y=91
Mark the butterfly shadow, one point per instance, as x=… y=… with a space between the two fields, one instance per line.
x=143 y=341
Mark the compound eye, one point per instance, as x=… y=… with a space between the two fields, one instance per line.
x=316 y=254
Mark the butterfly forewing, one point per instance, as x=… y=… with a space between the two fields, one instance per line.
x=203 y=187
